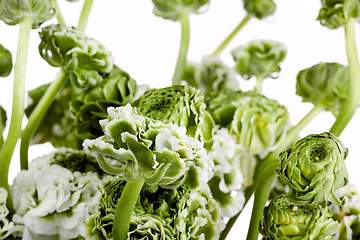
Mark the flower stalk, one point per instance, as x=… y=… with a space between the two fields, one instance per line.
x=84 y=15
x=353 y=99
x=231 y=36
x=125 y=207
x=184 y=45
x=59 y=16
x=17 y=105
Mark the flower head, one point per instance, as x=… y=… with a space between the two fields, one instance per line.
x=259 y=8
x=5 y=61
x=171 y=9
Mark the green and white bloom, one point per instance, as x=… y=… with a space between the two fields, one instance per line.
x=172 y=9
x=182 y=106
x=136 y=147
x=13 y=12
x=326 y=84
x=284 y=219
x=314 y=168
x=67 y=47
x=348 y=214
x=259 y=8
x=8 y=228
x=53 y=201
x=164 y=214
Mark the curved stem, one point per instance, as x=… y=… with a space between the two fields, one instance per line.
x=37 y=115
x=353 y=99
x=265 y=173
x=231 y=36
x=125 y=208
x=59 y=16
x=184 y=45
x=17 y=105
x=84 y=15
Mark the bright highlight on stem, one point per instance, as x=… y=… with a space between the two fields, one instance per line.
x=17 y=105
x=184 y=45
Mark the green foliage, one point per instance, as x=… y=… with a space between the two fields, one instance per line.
x=259 y=8
x=284 y=220
x=135 y=147
x=210 y=76
x=257 y=121
x=5 y=62
x=336 y=13
x=326 y=84
x=260 y=59
x=314 y=168
x=180 y=105
x=167 y=214
x=13 y=11
x=71 y=49
x=171 y=9
x=90 y=106
x=58 y=125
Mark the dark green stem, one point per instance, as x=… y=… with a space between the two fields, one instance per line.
x=125 y=207
x=231 y=36
x=265 y=173
x=84 y=15
x=59 y=16
x=38 y=114
x=353 y=99
x=17 y=106
x=184 y=45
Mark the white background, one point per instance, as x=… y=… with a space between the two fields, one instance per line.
x=146 y=47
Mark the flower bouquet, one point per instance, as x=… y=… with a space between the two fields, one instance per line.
x=104 y=155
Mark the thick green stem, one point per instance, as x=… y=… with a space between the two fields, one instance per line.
x=125 y=208
x=265 y=173
x=1 y=131
x=84 y=15
x=184 y=45
x=59 y=16
x=259 y=83
x=38 y=114
x=353 y=99
x=17 y=106
x=231 y=36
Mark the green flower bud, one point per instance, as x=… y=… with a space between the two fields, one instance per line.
x=171 y=9
x=336 y=13
x=314 y=168
x=180 y=105
x=137 y=147
x=5 y=61
x=326 y=84
x=211 y=75
x=284 y=219
x=3 y=118
x=67 y=47
x=259 y=8
x=258 y=122
x=13 y=11
x=259 y=58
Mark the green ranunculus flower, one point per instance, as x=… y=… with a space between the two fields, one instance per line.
x=348 y=214
x=67 y=47
x=285 y=220
x=164 y=214
x=171 y=9
x=182 y=106
x=258 y=122
x=8 y=229
x=53 y=202
x=13 y=11
x=162 y=154
x=326 y=84
x=90 y=106
x=210 y=76
x=336 y=13
x=260 y=59
x=259 y=8
x=314 y=168
x=5 y=61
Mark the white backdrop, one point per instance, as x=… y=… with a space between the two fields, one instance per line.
x=146 y=47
